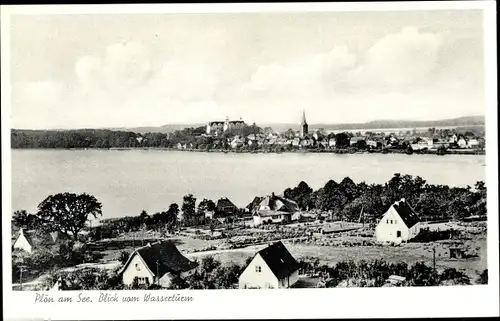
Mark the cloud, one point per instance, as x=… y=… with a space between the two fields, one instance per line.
x=186 y=82
x=123 y=86
x=398 y=60
x=121 y=68
x=311 y=75
x=407 y=74
x=394 y=62
x=36 y=101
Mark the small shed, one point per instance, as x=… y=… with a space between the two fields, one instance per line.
x=457 y=252
x=396 y=279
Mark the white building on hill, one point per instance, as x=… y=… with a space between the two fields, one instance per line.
x=399 y=223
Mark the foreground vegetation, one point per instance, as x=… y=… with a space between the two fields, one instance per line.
x=212 y=274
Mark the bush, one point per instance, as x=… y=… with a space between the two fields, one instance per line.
x=177 y=283
x=451 y=276
x=423 y=275
x=426 y=235
x=483 y=277
x=124 y=255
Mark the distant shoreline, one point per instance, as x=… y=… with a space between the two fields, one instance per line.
x=299 y=151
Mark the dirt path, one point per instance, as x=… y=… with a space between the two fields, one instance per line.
x=249 y=249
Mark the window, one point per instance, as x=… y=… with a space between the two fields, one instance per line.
x=387 y=221
x=398 y=234
x=395 y=222
x=137 y=267
x=141 y=280
x=258 y=269
x=391 y=221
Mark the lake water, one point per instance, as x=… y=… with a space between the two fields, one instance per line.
x=128 y=181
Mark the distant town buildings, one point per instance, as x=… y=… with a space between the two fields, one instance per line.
x=384 y=141
x=219 y=127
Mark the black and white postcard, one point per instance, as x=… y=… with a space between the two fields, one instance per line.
x=302 y=160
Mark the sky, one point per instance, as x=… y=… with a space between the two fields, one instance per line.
x=127 y=70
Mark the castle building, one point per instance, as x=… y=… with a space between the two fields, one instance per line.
x=219 y=127
x=304 y=128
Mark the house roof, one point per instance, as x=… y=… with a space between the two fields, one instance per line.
x=397 y=278
x=224 y=203
x=279 y=260
x=275 y=202
x=167 y=256
x=356 y=139
x=37 y=238
x=256 y=201
x=267 y=213
x=26 y=236
x=406 y=212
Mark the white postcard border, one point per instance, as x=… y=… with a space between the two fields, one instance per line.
x=469 y=301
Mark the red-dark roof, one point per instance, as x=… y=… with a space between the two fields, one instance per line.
x=407 y=213
x=256 y=201
x=279 y=260
x=164 y=257
x=271 y=201
x=38 y=239
x=224 y=205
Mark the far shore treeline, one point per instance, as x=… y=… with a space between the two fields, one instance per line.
x=197 y=139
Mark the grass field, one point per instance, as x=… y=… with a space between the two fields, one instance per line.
x=409 y=253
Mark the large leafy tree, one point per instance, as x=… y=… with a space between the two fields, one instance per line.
x=189 y=209
x=302 y=194
x=68 y=212
x=404 y=186
x=22 y=219
x=342 y=140
x=205 y=205
x=331 y=197
x=173 y=212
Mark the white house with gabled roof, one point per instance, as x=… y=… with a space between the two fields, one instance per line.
x=399 y=223
x=23 y=242
x=271 y=268
x=156 y=263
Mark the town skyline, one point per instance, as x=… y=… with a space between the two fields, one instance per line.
x=158 y=69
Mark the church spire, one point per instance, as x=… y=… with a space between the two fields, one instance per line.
x=304 y=129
